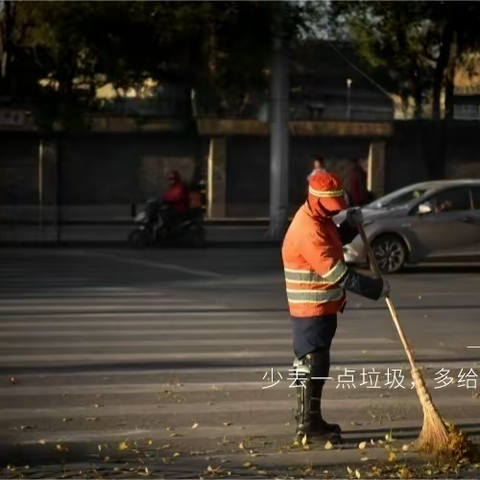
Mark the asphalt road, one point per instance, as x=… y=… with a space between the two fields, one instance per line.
x=174 y=361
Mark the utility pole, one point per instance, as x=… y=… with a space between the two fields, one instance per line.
x=349 y=98
x=279 y=137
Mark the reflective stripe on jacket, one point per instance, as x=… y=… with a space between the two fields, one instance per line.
x=314 y=264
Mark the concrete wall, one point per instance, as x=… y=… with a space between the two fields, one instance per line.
x=19 y=153
x=122 y=168
x=248 y=169
x=102 y=175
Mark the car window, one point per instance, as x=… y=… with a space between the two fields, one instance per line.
x=476 y=197
x=398 y=198
x=453 y=200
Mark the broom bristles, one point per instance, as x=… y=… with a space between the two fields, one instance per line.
x=434 y=436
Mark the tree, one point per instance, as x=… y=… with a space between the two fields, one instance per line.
x=19 y=68
x=415 y=44
x=222 y=48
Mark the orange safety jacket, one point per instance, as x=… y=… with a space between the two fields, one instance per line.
x=313 y=258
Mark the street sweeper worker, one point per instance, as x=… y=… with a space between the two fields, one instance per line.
x=316 y=279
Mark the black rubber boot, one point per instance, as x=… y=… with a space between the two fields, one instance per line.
x=316 y=406
x=308 y=414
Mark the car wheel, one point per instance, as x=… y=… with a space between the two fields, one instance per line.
x=390 y=253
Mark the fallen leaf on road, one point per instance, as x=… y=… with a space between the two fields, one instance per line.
x=362 y=445
x=304 y=440
x=241 y=446
x=42 y=442
x=150 y=441
x=247 y=465
x=195 y=425
x=405 y=448
x=328 y=446
x=357 y=474
x=372 y=441
x=123 y=445
x=392 y=457
x=364 y=459
x=226 y=424
x=176 y=455
x=405 y=473
x=175 y=435
x=349 y=470
x=97 y=405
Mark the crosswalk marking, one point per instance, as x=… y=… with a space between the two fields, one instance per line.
x=92 y=363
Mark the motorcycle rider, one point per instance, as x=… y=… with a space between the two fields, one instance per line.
x=176 y=197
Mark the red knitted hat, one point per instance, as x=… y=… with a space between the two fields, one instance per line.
x=327 y=188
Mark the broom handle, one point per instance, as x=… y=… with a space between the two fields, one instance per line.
x=390 y=304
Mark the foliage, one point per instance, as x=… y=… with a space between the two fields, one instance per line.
x=414 y=46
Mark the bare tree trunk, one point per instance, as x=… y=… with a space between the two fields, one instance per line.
x=6 y=43
x=450 y=78
x=442 y=63
x=418 y=96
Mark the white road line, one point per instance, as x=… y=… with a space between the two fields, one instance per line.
x=343 y=457
x=113 y=373
x=93 y=332
x=282 y=316
x=100 y=307
x=179 y=332
x=133 y=321
x=7 y=303
x=93 y=358
x=222 y=407
x=211 y=387
x=150 y=264
x=286 y=341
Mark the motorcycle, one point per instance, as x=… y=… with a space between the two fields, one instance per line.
x=157 y=226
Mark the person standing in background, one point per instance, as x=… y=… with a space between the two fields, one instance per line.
x=318 y=166
x=357 y=185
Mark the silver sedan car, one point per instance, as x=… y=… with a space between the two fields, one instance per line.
x=425 y=220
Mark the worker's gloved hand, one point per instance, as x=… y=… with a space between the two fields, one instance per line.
x=355 y=216
x=385 y=289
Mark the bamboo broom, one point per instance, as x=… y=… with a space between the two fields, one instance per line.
x=435 y=434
